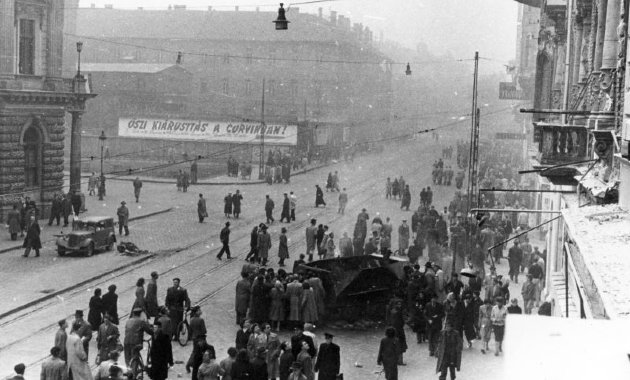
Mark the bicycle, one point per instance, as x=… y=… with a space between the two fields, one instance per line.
x=183 y=329
x=136 y=364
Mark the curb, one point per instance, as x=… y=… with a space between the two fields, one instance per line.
x=74 y=286
x=9 y=249
x=256 y=182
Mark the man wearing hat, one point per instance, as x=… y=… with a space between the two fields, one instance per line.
x=434 y=313
x=84 y=331
x=225 y=240
x=134 y=333
x=161 y=353
x=123 y=218
x=328 y=360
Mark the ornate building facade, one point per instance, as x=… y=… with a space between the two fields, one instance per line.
x=34 y=99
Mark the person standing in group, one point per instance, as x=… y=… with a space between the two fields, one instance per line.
x=328 y=361
x=277 y=312
x=78 y=366
x=294 y=296
x=110 y=303
x=202 y=211
x=237 y=198
x=137 y=185
x=32 y=240
x=13 y=221
x=55 y=210
x=135 y=328
x=345 y=246
x=406 y=198
x=343 y=201
x=485 y=324
x=193 y=172
x=269 y=205
x=123 y=218
x=197 y=324
x=66 y=209
x=185 y=182
x=106 y=338
x=319 y=196
x=388 y=353
x=498 y=315
x=140 y=293
x=226 y=364
x=241 y=303
x=176 y=302
x=264 y=244
x=311 y=233
x=403 y=237
x=150 y=299
x=286 y=209
x=95 y=313
x=61 y=337
x=227 y=205
x=283 y=246
x=434 y=313
x=449 y=353
x=92 y=184
x=293 y=202
x=225 y=241
x=54 y=368
x=252 y=255
x=515 y=258
x=161 y=353
x=388 y=188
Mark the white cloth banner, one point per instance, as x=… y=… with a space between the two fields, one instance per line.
x=200 y=130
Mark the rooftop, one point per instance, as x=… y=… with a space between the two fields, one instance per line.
x=602 y=234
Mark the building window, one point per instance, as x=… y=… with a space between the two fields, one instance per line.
x=203 y=87
x=226 y=86
x=226 y=58
x=32 y=157
x=248 y=56
x=248 y=87
x=26 y=63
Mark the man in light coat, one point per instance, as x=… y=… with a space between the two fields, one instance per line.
x=78 y=366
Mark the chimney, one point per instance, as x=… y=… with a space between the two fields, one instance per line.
x=333 y=17
x=236 y=8
x=320 y=12
x=109 y=6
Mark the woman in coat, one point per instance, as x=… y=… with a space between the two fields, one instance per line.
x=13 y=220
x=330 y=246
x=139 y=302
x=308 y=306
x=283 y=247
x=95 y=315
x=150 y=299
x=307 y=361
x=32 y=241
x=258 y=301
x=263 y=245
x=294 y=295
x=276 y=313
x=227 y=205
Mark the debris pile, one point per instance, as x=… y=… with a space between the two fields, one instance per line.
x=130 y=249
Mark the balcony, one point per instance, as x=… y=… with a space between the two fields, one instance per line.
x=560 y=144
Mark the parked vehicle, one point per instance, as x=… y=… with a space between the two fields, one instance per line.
x=87 y=236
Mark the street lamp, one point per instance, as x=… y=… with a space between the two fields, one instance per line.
x=281 y=22
x=101 y=186
x=79 y=48
x=408 y=71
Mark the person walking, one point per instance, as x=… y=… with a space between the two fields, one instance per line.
x=328 y=361
x=343 y=201
x=32 y=240
x=225 y=240
x=150 y=299
x=485 y=324
x=137 y=185
x=95 y=313
x=161 y=353
x=53 y=368
x=434 y=313
x=264 y=244
x=319 y=196
x=13 y=221
x=202 y=211
x=403 y=237
x=252 y=255
x=515 y=258
x=77 y=365
x=242 y=298
x=107 y=338
x=92 y=181
x=293 y=200
x=406 y=198
x=110 y=303
x=227 y=205
x=135 y=328
x=123 y=218
x=138 y=303
x=269 y=205
x=283 y=246
x=498 y=315
x=311 y=234
x=237 y=198
x=388 y=353
x=61 y=337
x=176 y=302
x=449 y=352
x=286 y=209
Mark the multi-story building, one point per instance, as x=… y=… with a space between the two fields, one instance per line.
x=581 y=136
x=34 y=99
x=322 y=70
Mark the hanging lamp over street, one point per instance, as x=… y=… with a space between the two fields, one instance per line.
x=281 y=22
x=408 y=71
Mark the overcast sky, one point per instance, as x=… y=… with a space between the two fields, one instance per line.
x=458 y=27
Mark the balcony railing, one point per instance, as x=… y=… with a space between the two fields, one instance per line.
x=561 y=143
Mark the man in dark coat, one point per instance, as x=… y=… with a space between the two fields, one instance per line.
x=515 y=258
x=449 y=352
x=243 y=290
x=319 y=196
x=137 y=185
x=236 y=203
x=286 y=209
x=196 y=357
x=328 y=359
x=434 y=312
x=66 y=209
x=176 y=301
x=55 y=210
x=76 y=203
x=202 y=211
x=123 y=218
x=110 y=304
x=32 y=240
x=388 y=353
x=269 y=205
x=259 y=365
x=225 y=240
x=193 y=172
x=161 y=353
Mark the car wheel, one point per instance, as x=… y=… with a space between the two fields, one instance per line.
x=110 y=245
x=90 y=250
x=61 y=251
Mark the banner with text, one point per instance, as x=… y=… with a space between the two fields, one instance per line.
x=200 y=130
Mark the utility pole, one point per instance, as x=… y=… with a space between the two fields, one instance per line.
x=261 y=167
x=473 y=160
